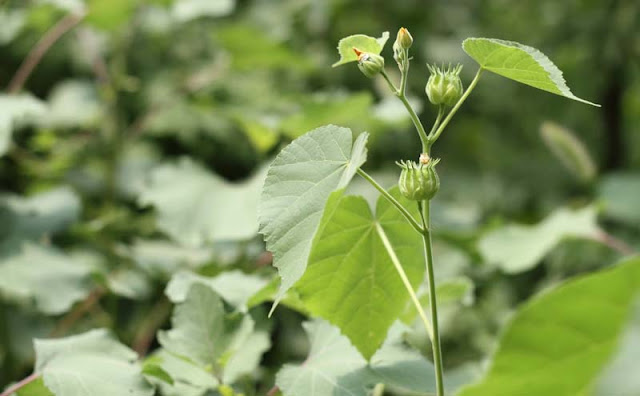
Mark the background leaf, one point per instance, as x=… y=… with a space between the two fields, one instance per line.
x=335 y=368
x=559 y=341
x=518 y=248
x=15 y=110
x=195 y=206
x=520 y=63
x=89 y=363
x=297 y=187
x=52 y=280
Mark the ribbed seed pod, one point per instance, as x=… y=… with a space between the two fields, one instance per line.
x=418 y=182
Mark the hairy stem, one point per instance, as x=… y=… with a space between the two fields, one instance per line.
x=428 y=256
x=37 y=53
x=405 y=279
x=414 y=117
x=455 y=108
x=392 y=200
x=19 y=385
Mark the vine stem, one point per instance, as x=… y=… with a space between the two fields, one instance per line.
x=414 y=117
x=46 y=42
x=392 y=200
x=423 y=206
x=453 y=111
x=18 y=385
x=405 y=279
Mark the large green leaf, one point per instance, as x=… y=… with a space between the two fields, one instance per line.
x=335 y=368
x=520 y=63
x=91 y=363
x=298 y=184
x=560 y=340
x=517 y=248
x=50 y=279
x=195 y=206
x=350 y=279
x=363 y=43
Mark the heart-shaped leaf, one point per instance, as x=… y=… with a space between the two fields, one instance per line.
x=298 y=184
x=351 y=280
x=520 y=63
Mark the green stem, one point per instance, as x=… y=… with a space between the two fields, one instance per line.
x=405 y=279
x=455 y=108
x=436 y=123
x=392 y=200
x=414 y=117
x=428 y=256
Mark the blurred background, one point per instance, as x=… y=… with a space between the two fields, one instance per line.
x=124 y=123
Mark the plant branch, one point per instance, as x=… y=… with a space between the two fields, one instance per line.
x=614 y=243
x=455 y=108
x=18 y=385
x=392 y=200
x=436 y=123
x=78 y=312
x=428 y=256
x=40 y=49
x=273 y=391
x=414 y=117
x=405 y=279
x=146 y=333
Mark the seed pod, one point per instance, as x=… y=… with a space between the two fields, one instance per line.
x=418 y=182
x=369 y=63
x=444 y=86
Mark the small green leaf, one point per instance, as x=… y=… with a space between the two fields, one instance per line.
x=202 y=331
x=351 y=280
x=520 y=63
x=38 y=215
x=363 y=43
x=188 y=378
x=92 y=360
x=195 y=206
x=51 y=279
x=152 y=368
x=235 y=287
x=298 y=184
x=14 y=110
x=518 y=248
x=560 y=340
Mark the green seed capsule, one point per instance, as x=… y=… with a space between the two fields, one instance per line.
x=418 y=182
x=444 y=86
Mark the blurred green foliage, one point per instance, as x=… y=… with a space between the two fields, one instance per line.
x=143 y=132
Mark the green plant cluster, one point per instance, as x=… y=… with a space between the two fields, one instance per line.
x=195 y=203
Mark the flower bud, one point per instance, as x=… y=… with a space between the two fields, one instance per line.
x=418 y=182
x=369 y=64
x=444 y=86
x=404 y=39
